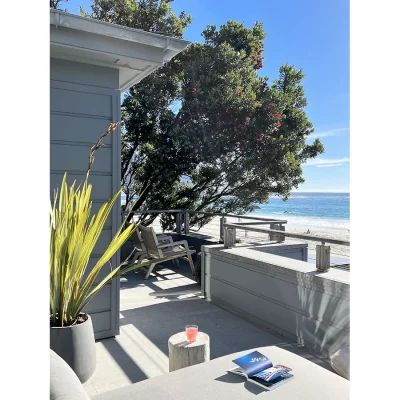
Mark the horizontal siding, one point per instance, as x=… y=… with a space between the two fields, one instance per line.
x=318 y=335
x=104 y=271
x=102 y=323
x=78 y=129
x=78 y=102
x=102 y=184
x=69 y=157
x=83 y=102
x=101 y=302
x=95 y=209
x=271 y=288
x=102 y=243
x=85 y=74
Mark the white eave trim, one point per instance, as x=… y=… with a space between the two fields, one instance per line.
x=121 y=47
x=61 y=18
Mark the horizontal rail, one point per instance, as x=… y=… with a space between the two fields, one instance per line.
x=265 y=219
x=151 y=211
x=279 y=221
x=264 y=222
x=290 y=234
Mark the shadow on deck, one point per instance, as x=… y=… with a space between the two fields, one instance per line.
x=153 y=310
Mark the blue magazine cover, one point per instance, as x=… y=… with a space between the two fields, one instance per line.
x=259 y=369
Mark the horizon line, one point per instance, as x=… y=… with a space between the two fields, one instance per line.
x=321 y=191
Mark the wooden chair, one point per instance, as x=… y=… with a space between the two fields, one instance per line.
x=140 y=251
x=156 y=251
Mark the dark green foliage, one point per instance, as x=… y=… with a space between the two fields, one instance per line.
x=149 y=15
x=206 y=132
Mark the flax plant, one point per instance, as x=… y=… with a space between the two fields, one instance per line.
x=74 y=232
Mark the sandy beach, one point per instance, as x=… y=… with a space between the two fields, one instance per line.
x=212 y=230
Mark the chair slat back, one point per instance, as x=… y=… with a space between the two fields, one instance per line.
x=137 y=240
x=150 y=241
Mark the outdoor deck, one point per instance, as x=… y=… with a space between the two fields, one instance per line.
x=152 y=310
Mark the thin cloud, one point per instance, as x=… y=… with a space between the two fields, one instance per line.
x=327 y=162
x=328 y=165
x=332 y=132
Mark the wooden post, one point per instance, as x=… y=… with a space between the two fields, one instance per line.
x=222 y=221
x=228 y=238
x=184 y=354
x=323 y=257
x=186 y=222
x=178 y=222
x=276 y=236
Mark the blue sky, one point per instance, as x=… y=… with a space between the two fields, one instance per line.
x=310 y=34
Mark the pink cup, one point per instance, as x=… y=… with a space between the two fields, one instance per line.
x=191 y=332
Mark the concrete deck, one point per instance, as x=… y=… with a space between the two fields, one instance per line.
x=152 y=310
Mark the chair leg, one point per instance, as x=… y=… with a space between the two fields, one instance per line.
x=136 y=256
x=189 y=257
x=176 y=262
x=142 y=256
x=149 y=271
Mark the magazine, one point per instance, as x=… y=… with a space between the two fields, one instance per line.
x=257 y=368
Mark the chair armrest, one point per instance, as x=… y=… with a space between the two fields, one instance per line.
x=165 y=240
x=172 y=244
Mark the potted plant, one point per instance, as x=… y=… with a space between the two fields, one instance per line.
x=74 y=232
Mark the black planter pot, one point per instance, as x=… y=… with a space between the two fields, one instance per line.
x=75 y=344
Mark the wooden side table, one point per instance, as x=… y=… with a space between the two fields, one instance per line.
x=185 y=354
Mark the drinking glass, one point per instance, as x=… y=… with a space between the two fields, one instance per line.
x=191 y=332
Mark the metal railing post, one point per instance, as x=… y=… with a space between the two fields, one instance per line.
x=186 y=221
x=222 y=221
x=323 y=257
x=178 y=221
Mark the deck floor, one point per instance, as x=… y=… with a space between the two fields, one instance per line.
x=153 y=310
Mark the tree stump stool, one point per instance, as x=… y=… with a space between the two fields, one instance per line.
x=183 y=354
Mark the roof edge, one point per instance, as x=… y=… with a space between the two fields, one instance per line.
x=72 y=21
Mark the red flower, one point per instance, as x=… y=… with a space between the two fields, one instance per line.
x=239 y=92
x=261 y=139
x=277 y=115
x=279 y=123
x=194 y=90
x=270 y=105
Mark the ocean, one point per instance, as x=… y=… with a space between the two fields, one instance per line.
x=325 y=211
x=329 y=211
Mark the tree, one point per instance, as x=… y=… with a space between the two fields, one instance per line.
x=55 y=3
x=149 y=15
x=206 y=132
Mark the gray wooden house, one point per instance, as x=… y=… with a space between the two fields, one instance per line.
x=91 y=63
